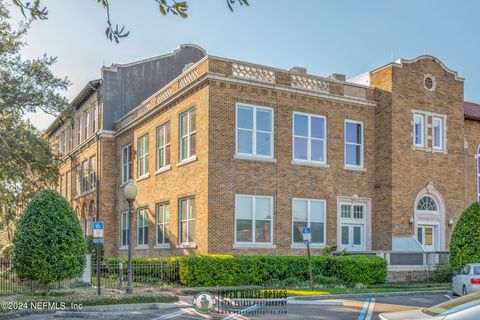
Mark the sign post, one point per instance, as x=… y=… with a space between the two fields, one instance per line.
x=307 y=239
x=98 y=239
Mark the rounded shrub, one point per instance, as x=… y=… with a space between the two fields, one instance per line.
x=48 y=243
x=465 y=241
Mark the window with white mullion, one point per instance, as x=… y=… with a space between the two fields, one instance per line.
x=163 y=146
x=419 y=130
x=254 y=131
x=187 y=221
x=309 y=213
x=253 y=219
x=124 y=229
x=126 y=163
x=143 y=156
x=354 y=141
x=437 y=133
x=309 y=138
x=142 y=227
x=85 y=124
x=188 y=132
x=163 y=222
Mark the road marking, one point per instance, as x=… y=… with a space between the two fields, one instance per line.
x=362 y=314
x=370 y=309
x=171 y=315
x=448 y=297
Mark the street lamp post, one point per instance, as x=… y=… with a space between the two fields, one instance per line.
x=130 y=192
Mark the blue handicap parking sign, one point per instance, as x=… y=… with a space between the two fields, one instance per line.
x=306 y=230
x=98 y=226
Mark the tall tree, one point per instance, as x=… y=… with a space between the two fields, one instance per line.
x=114 y=32
x=26 y=161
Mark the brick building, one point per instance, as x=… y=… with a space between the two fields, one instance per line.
x=232 y=157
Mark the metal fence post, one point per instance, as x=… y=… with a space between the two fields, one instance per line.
x=120 y=273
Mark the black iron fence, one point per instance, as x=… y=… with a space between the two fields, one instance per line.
x=11 y=284
x=114 y=275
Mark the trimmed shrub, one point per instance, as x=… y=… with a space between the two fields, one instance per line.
x=48 y=243
x=227 y=270
x=465 y=241
x=442 y=273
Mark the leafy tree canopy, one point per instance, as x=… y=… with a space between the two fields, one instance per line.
x=465 y=241
x=48 y=244
x=114 y=31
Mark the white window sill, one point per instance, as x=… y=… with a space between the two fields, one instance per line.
x=187 y=246
x=420 y=148
x=439 y=151
x=254 y=158
x=310 y=164
x=142 y=247
x=187 y=161
x=145 y=176
x=163 y=169
x=123 y=248
x=353 y=168
x=253 y=246
x=84 y=194
x=162 y=246
x=304 y=246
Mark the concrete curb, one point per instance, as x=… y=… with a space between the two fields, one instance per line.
x=368 y=295
x=132 y=307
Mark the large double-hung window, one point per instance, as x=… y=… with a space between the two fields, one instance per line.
x=254 y=131
x=309 y=138
x=253 y=219
x=188 y=136
x=354 y=144
x=309 y=213
x=143 y=155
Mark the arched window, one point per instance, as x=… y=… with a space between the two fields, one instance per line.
x=427 y=204
x=478 y=173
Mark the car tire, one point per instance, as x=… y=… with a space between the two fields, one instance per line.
x=464 y=291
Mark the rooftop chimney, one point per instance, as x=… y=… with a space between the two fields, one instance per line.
x=299 y=70
x=337 y=76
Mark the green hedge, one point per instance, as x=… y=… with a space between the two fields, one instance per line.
x=227 y=270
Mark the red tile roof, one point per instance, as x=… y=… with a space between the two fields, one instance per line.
x=471 y=110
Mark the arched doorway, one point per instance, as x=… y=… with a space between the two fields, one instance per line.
x=430 y=219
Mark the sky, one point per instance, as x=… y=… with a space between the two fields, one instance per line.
x=326 y=36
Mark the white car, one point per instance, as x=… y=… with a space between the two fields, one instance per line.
x=463 y=308
x=468 y=280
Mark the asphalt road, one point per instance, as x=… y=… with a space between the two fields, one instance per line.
x=344 y=309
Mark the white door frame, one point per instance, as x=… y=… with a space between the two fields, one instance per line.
x=366 y=221
x=435 y=234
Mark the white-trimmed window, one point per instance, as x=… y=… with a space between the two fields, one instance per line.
x=188 y=130
x=69 y=138
x=309 y=213
x=142 y=155
x=353 y=143
x=84 y=173
x=352 y=211
x=142 y=227
x=163 y=146
x=163 y=223
x=419 y=130
x=253 y=219
x=78 y=130
x=437 y=133
x=93 y=172
x=94 y=119
x=85 y=125
x=124 y=230
x=187 y=220
x=309 y=138
x=126 y=163
x=254 y=128
x=68 y=183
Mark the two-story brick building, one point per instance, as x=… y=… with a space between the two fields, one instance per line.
x=232 y=157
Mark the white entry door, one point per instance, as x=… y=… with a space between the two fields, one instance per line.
x=352 y=237
x=427 y=236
